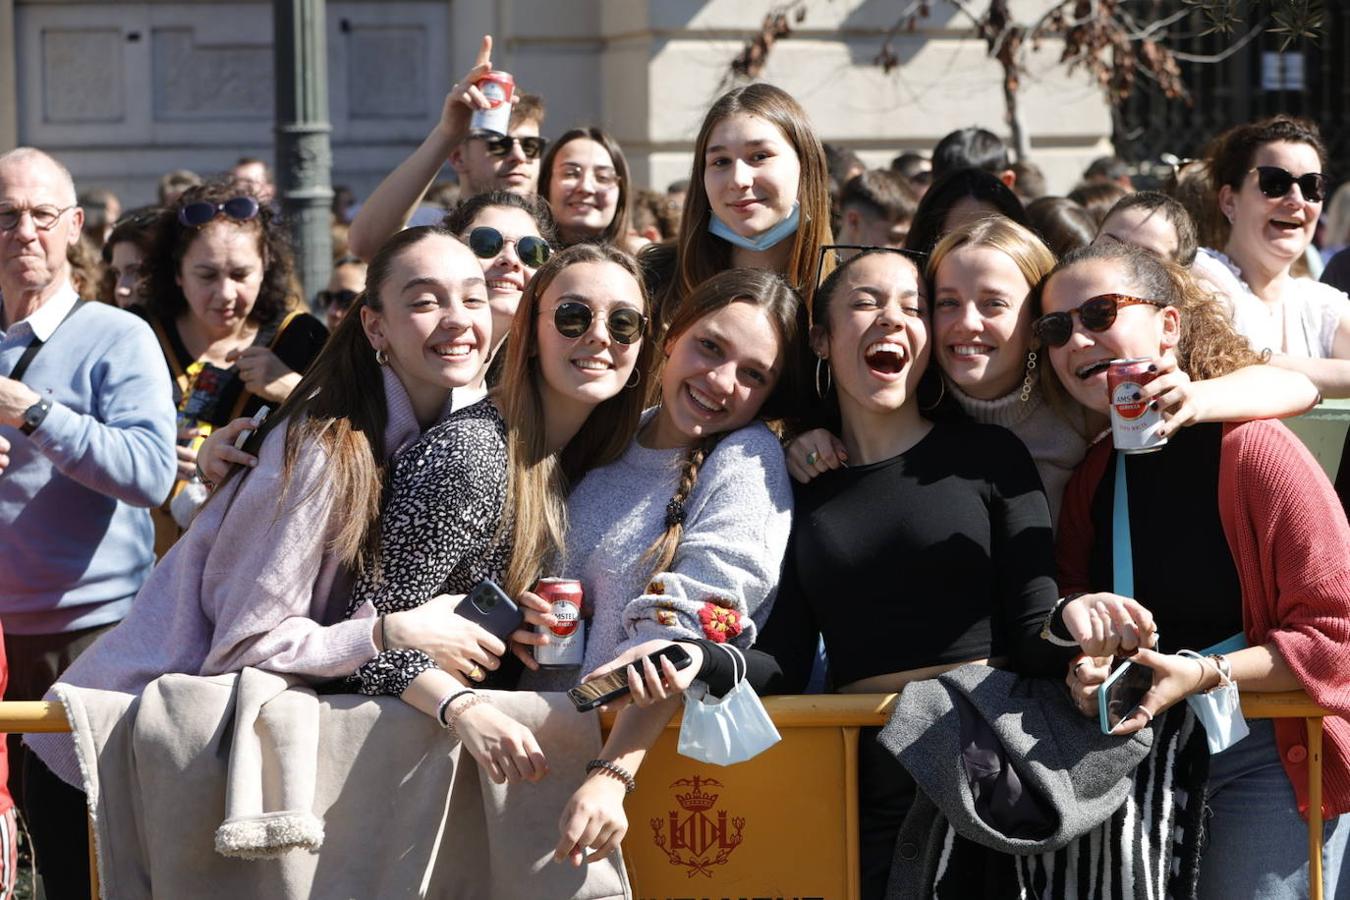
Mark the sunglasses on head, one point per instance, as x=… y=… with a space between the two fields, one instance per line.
x=241 y=209
x=1096 y=314
x=1275 y=183
x=336 y=299
x=486 y=242
x=573 y=318
x=500 y=144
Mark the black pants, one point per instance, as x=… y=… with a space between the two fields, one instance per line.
x=58 y=820
x=35 y=662
x=885 y=794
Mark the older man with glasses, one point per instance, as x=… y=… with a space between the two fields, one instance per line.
x=86 y=439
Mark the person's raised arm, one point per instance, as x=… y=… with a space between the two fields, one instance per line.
x=391 y=204
x=1252 y=392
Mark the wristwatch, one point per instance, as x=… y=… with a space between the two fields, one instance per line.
x=33 y=416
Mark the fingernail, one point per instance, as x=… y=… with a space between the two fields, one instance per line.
x=1136 y=396
x=1152 y=406
x=1153 y=367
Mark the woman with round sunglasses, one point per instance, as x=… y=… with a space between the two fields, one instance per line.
x=220 y=295
x=484 y=161
x=584 y=178
x=932 y=549
x=759 y=198
x=1233 y=531
x=1270 y=186
x=259 y=578
x=991 y=364
x=481 y=495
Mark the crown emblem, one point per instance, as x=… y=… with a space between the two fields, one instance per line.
x=697 y=800
x=699 y=839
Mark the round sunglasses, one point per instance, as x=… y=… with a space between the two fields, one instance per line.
x=1097 y=314
x=241 y=209
x=499 y=145
x=487 y=242
x=573 y=318
x=1276 y=182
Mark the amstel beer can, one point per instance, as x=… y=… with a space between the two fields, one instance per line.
x=1134 y=425
x=497 y=87
x=567 y=639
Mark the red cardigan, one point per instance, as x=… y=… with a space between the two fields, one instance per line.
x=1291 y=546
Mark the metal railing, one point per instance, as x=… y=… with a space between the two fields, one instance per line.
x=846 y=711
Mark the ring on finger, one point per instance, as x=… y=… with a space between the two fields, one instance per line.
x=812 y=458
x=476 y=673
x=1148 y=715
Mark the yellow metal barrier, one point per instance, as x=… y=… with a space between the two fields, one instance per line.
x=785 y=823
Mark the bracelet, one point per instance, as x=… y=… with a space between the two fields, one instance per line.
x=201 y=476
x=1225 y=671
x=615 y=770
x=1047 y=632
x=454 y=714
x=445 y=704
x=384 y=638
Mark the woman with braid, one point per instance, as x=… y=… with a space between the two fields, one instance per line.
x=682 y=537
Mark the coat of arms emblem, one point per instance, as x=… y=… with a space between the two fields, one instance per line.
x=700 y=837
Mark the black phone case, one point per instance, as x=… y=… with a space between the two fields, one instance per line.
x=585 y=703
x=500 y=619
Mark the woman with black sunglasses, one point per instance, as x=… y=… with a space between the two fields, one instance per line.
x=1270 y=186
x=1233 y=532
x=220 y=294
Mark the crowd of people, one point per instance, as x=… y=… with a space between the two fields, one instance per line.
x=852 y=422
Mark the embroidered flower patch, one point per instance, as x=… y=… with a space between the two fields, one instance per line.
x=655 y=586
x=719 y=623
x=666 y=618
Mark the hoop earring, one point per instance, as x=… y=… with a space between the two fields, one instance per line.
x=634 y=380
x=942 y=393
x=1030 y=380
x=381 y=358
x=829 y=378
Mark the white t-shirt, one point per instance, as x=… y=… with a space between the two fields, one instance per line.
x=1304 y=324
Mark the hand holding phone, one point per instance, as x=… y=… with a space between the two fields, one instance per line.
x=1120 y=694
x=595 y=693
x=254 y=424
x=488 y=606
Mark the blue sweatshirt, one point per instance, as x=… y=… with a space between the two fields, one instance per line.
x=75 y=534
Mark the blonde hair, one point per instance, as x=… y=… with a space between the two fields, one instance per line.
x=700 y=254
x=538 y=479
x=1034 y=260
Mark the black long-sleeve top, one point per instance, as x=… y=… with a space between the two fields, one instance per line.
x=939 y=555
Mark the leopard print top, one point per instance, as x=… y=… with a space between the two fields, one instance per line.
x=438 y=532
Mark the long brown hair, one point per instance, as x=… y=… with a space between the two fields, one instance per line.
x=538 y=479
x=1208 y=347
x=767 y=291
x=340 y=405
x=699 y=254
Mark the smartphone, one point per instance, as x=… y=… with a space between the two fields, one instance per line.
x=488 y=606
x=256 y=422
x=590 y=694
x=1120 y=694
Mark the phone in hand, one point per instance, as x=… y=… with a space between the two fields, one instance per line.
x=1120 y=694
x=254 y=424
x=613 y=685
x=488 y=606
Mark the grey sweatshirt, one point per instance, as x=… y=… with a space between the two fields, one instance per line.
x=721 y=583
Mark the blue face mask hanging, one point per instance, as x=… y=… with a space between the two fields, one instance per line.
x=766 y=240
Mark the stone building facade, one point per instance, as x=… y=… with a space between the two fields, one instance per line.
x=124 y=91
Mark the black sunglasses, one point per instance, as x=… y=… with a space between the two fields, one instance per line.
x=1097 y=314
x=486 y=242
x=500 y=144
x=573 y=318
x=1275 y=182
x=336 y=299
x=241 y=209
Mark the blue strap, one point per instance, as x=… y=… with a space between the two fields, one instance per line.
x=1122 y=556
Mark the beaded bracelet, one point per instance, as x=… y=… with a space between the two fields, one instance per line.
x=618 y=771
x=445 y=704
x=454 y=714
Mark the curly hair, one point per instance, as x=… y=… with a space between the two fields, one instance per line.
x=280 y=289
x=1209 y=346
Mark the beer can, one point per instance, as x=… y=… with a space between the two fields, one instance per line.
x=497 y=87
x=1134 y=425
x=567 y=639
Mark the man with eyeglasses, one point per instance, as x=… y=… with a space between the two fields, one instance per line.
x=484 y=161
x=86 y=439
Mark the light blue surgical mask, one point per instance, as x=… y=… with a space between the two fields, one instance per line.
x=766 y=240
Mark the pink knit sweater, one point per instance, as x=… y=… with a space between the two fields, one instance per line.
x=1291 y=546
x=249 y=584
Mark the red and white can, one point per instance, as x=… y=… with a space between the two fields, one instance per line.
x=497 y=87
x=1134 y=424
x=567 y=639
